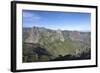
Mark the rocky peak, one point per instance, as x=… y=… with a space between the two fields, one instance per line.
x=33 y=36
x=60 y=35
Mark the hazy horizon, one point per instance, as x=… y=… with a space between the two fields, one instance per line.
x=73 y=21
x=57 y=29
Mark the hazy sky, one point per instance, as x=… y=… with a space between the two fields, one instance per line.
x=57 y=20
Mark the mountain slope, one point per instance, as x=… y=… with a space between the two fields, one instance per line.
x=55 y=42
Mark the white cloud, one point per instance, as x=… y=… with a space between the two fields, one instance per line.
x=31 y=16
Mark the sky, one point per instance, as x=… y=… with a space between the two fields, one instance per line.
x=57 y=20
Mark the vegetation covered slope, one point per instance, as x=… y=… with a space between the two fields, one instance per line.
x=41 y=44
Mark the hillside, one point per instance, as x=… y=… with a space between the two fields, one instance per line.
x=42 y=44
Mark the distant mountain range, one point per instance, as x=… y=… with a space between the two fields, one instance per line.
x=57 y=43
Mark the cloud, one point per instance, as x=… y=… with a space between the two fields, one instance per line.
x=30 y=16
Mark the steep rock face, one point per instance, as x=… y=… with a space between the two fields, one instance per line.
x=75 y=36
x=34 y=36
x=60 y=35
